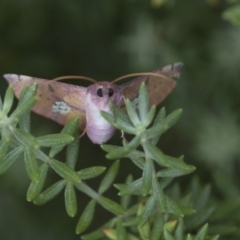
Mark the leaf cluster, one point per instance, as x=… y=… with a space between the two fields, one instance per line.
x=147 y=209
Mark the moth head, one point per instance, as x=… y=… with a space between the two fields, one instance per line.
x=103 y=92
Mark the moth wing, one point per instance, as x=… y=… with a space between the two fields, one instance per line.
x=158 y=86
x=56 y=100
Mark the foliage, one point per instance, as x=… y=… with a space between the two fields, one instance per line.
x=154 y=214
x=105 y=39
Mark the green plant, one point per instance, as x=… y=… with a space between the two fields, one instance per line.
x=151 y=207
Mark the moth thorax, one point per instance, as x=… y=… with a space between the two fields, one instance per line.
x=98 y=95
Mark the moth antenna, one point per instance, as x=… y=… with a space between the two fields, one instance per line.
x=139 y=74
x=74 y=77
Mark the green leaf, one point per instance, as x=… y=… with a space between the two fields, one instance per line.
x=54 y=139
x=122 y=121
x=131 y=221
x=144 y=231
x=4 y=144
x=119 y=186
x=121 y=231
x=31 y=165
x=179 y=233
x=159 y=195
x=24 y=122
x=137 y=157
x=110 y=233
x=134 y=155
x=25 y=138
x=71 y=128
x=173 y=207
x=150 y=116
x=172 y=118
x=132 y=113
x=178 y=163
x=10 y=158
x=156 y=154
x=118 y=122
x=109 y=117
x=187 y=210
x=202 y=233
x=23 y=108
x=147 y=211
x=133 y=209
x=125 y=200
x=161 y=115
x=8 y=100
x=168 y=235
x=216 y=237
x=189 y=237
x=27 y=93
x=139 y=162
x=122 y=117
x=157 y=227
x=170 y=225
x=50 y=193
x=167 y=123
x=36 y=187
x=64 y=171
x=99 y=232
x=72 y=153
x=41 y=155
x=158 y=120
x=70 y=199
x=143 y=102
x=147 y=176
x=109 y=178
x=111 y=206
x=169 y=172
x=123 y=151
x=86 y=218
x=131 y=188
x=91 y=172
x=165 y=182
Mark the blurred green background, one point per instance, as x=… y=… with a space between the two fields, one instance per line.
x=105 y=39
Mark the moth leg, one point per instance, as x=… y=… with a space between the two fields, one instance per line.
x=83 y=133
x=125 y=141
x=120 y=99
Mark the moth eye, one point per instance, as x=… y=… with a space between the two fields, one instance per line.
x=110 y=92
x=100 y=92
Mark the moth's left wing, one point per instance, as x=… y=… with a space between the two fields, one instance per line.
x=158 y=86
x=56 y=100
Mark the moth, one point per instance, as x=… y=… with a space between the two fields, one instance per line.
x=61 y=101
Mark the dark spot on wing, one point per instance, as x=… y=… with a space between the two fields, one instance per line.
x=19 y=78
x=50 y=88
